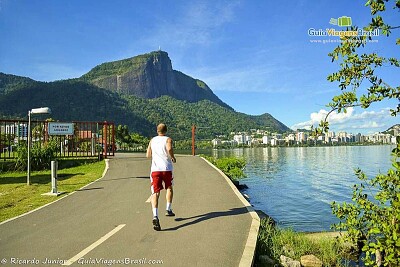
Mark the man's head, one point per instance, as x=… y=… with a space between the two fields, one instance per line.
x=162 y=129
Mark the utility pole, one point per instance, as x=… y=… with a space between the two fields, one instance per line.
x=194 y=127
x=193 y=140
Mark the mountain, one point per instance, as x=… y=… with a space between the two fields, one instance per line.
x=269 y=122
x=9 y=83
x=140 y=104
x=150 y=76
x=70 y=100
x=211 y=118
x=394 y=130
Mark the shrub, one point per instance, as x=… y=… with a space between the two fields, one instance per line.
x=231 y=166
x=372 y=220
x=273 y=242
x=41 y=155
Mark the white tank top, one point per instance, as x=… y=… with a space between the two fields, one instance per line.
x=160 y=159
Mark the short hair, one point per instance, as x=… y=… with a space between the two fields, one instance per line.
x=161 y=128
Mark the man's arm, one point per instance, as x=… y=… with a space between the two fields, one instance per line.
x=148 y=153
x=170 y=150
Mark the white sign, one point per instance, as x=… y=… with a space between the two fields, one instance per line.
x=59 y=128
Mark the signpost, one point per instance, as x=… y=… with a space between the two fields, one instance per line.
x=60 y=128
x=57 y=128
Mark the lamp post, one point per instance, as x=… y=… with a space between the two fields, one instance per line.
x=45 y=110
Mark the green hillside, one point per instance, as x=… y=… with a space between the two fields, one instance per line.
x=180 y=116
x=118 y=67
x=9 y=83
x=79 y=100
x=71 y=100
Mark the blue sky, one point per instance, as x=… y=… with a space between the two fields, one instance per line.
x=256 y=55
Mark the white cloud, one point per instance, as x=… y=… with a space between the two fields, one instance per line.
x=367 y=125
x=253 y=73
x=252 y=79
x=366 y=120
x=198 y=24
x=334 y=118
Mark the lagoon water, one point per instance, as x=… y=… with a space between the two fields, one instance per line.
x=295 y=185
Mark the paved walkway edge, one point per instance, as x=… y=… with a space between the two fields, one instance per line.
x=250 y=247
x=48 y=204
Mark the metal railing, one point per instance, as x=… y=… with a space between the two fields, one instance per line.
x=89 y=139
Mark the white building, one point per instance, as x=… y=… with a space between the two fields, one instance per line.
x=247 y=139
x=18 y=130
x=380 y=138
x=274 y=142
x=266 y=140
x=216 y=142
x=393 y=140
x=343 y=137
x=239 y=138
x=358 y=138
x=290 y=139
x=301 y=137
x=242 y=139
x=330 y=134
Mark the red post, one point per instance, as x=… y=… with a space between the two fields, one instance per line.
x=105 y=126
x=193 y=140
x=113 y=139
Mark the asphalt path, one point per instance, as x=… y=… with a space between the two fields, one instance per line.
x=109 y=222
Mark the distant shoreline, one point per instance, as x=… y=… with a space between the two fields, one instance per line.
x=188 y=151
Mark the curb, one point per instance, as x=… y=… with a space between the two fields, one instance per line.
x=250 y=247
x=48 y=204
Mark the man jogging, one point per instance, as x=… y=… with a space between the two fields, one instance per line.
x=162 y=155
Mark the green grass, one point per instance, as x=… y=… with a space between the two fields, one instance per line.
x=274 y=242
x=16 y=197
x=8 y=154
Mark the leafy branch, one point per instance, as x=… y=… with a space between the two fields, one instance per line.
x=371 y=221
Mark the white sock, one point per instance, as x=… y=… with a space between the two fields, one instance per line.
x=169 y=204
x=155 y=212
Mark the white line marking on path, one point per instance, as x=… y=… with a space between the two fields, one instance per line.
x=94 y=245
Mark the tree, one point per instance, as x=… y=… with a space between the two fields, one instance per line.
x=127 y=140
x=122 y=135
x=372 y=220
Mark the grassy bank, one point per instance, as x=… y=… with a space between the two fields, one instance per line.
x=274 y=242
x=16 y=197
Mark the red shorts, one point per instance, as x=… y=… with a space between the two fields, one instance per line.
x=157 y=179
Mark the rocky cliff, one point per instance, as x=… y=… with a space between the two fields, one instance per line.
x=150 y=76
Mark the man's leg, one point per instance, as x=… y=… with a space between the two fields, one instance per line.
x=156 y=186
x=169 y=196
x=154 y=203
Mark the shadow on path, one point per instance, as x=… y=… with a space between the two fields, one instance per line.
x=207 y=216
x=125 y=178
x=36 y=178
x=89 y=189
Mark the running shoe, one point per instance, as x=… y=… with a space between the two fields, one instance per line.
x=169 y=213
x=156 y=224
